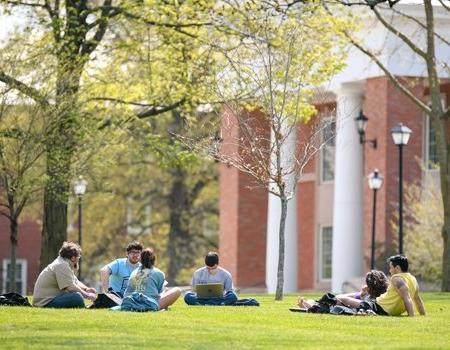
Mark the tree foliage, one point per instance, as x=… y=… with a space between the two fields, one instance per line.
x=423 y=244
x=85 y=60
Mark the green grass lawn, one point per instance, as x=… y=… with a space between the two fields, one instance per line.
x=270 y=326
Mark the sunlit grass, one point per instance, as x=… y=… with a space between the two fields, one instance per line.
x=270 y=326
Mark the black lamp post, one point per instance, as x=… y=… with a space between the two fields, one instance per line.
x=79 y=189
x=400 y=135
x=375 y=181
x=361 y=124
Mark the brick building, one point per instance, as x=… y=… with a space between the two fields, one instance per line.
x=28 y=252
x=328 y=233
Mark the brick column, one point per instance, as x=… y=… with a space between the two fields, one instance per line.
x=243 y=217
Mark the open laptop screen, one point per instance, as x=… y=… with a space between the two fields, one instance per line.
x=209 y=290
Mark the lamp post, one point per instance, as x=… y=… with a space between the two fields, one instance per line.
x=79 y=189
x=400 y=135
x=361 y=124
x=375 y=181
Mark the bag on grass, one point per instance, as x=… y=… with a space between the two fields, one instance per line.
x=324 y=304
x=246 y=302
x=14 y=299
x=105 y=301
x=342 y=310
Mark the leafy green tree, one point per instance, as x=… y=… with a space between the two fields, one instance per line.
x=144 y=185
x=21 y=164
x=424 y=213
x=80 y=52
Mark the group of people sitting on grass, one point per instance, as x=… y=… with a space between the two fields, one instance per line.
x=142 y=287
x=135 y=279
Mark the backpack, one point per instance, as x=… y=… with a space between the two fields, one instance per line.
x=324 y=304
x=245 y=302
x=342 y=310
x=105 y=301
x=14 y=299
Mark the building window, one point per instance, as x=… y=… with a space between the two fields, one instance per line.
x=327 y=152
x=21 y=276
x=326 y=245
x=431 y=158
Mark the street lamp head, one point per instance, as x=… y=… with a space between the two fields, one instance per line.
x=80 y=186
x=361 y=124
x=216 y=144
x=401 y=134
x=375 y=180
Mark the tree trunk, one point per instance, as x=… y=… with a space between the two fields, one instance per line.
x=61 y=142
x=54 y=230
x=179 y=229
x=179 y=203
x=446 y=253
x=13 y=239
x=281 y=240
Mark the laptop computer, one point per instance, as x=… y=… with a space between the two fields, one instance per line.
x=209 y=290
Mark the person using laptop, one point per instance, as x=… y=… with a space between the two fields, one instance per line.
x=115 y=275
x=209 y=277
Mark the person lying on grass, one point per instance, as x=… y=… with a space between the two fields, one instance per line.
x=57 y=286
x=401 y=296
x=145 y=287
x=376 y=284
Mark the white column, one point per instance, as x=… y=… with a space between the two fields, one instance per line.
x=347 y=253
x=273 y=224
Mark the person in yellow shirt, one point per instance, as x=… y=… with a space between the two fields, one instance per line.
x=402 y=294
x=403 y=291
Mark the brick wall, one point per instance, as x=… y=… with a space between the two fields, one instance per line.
x=243 y=213
x=28 y=248
x=386 y=106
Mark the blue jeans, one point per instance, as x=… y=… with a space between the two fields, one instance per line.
x=67 y=300
x=229 y=298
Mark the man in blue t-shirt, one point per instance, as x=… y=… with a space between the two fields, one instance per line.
x=115 y=275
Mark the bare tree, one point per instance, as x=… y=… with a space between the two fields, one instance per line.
x=276 y=65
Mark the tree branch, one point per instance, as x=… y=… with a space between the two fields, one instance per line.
x=22 y=3
x=444 y=5
x=90 y=45
x=152 y=111
x=386 y=71
x=399 y=34
x=415 y=20
x=23 y=88
x=120 y=101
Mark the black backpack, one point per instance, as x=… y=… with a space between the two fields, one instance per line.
x=105 y=301
x=14 y=299
x=324 y=304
